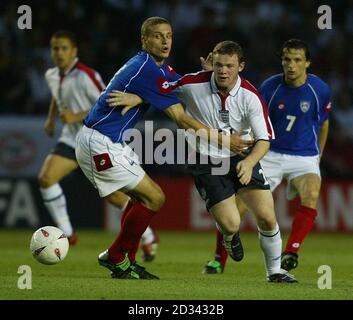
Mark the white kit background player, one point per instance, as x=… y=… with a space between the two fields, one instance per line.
x=74 y=88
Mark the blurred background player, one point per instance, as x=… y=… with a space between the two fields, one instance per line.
x=74 y=88
x=299 y=106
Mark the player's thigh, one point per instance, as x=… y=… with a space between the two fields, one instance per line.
x=226 y=214
x=55 y=168
x=271 y=165
x=304 y=177
x=242 y=208
x=148 y=192
x=118 y=199
x=212 y=188
x=260 y=203
x=308 y=186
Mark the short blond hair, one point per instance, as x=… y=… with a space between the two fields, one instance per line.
x=152 y=21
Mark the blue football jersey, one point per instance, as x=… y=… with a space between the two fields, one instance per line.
x=296 y=113
x=142 y=76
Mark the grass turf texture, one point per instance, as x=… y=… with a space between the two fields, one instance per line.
x=181 y=257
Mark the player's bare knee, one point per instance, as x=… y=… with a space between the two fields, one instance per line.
x=156 y=201
x=45 y=180
x=310 y=198
x=118 y=205
x=160 y=200
x=267 y=222
x=231 y=228
x=118 y=200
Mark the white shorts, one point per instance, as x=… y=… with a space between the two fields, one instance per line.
x=109 y=166
x=278 y=166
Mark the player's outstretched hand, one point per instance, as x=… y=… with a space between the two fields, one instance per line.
x=119 y=98
x=206 y=64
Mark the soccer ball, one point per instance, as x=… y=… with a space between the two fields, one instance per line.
x=49 y=245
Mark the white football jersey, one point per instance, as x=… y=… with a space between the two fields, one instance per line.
x=242 y=110
x=78 y=89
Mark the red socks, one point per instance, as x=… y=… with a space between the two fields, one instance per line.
x=221 y=254
x=127 y=209
x=134 y=224
x=303 y=222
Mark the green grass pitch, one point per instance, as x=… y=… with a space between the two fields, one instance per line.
x=181 y=257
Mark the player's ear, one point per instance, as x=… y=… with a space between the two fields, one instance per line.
x=143 y=41
x=241 y=66
x=307 y=64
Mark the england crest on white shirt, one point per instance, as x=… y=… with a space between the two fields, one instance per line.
x=304 y=106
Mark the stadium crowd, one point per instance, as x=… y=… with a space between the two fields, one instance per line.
x=108 y=33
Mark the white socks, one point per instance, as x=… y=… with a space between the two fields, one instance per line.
x=55 y=201
x=271 y=245
x=148 y=236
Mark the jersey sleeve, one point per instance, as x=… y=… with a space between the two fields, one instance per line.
x=46 y=76
x=153 y=89
x=258 y=118
x=264 y=91
x=92 y=84
x=326 y=104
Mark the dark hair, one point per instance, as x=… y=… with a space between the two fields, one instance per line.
x=152 y=21
x=66 y=34
x=230 y=48
x=296 y=44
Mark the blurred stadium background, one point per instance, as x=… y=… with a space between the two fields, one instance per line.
x=108 y=33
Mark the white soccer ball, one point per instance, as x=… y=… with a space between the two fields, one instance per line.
x=49 y=245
